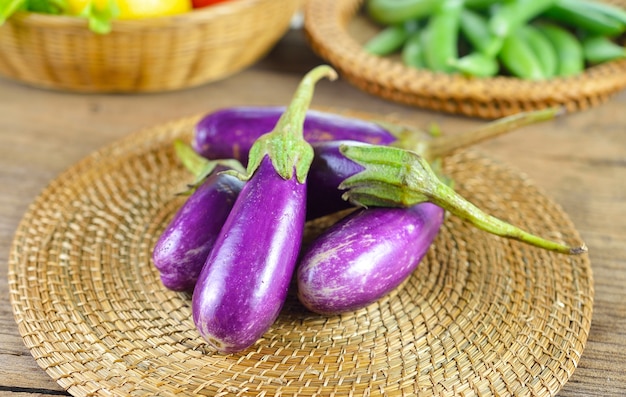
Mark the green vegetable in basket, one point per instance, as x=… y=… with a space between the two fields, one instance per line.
x=55 y=7
x=10 y=7
x=132 y=9
x=591 y=16
x=513 y=14
x=390 y=39
x=99 y=13
x=413 y=50
x=476 y=64
x=528 y=39
x=442 y=32
x=542 y=48
x=475 y=28
x=568 y=48
x=392 y=12
x=598 y=49
x=519 y=58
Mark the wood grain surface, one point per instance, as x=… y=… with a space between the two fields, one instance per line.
x=578 y=160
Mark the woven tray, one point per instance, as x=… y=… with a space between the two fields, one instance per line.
x=480 y=316
x=334 y=29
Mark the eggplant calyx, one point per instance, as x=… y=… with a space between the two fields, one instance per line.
x=201 y=167
x=395 y=177
x=285 y=144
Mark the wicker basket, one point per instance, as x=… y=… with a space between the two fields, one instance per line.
x=156 y=54
x=329 y=26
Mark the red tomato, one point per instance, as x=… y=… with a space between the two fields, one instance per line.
x=204 y=3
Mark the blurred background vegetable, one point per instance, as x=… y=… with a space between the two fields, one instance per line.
x=528 y=39
x=101 y=13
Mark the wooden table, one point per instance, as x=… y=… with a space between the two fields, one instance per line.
x=578 y=160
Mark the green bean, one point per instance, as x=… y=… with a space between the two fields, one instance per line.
x=519 y=59
x=475 y=28
x=480 y=4
x=388 y=40
x=608 y=9
x=514 y=13
x=580 y=14
x=413 y=50
x=476 y=64
x=397 y=11
x=598 y=49
x=568 y=48
x=441 y=36
x=543 y=49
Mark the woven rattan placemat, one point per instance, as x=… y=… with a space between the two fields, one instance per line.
x=481 y=315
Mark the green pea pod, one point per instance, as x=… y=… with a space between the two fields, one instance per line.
x=513 y=14
x=518 y=57
x=391 y=12
x=584 y=15
x=441 y=36
x=543 y=49
x=388 y=40
x=568 y=49
x=413 y=51
x=476 y=64
x=608 y=9
x=480 y=4
x=599 y=49
x=475 y=28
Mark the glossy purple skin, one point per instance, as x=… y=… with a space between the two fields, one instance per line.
x=184 y=245
x=230 y=132
x=243 y=284
x=365 y=256
x=328 y=170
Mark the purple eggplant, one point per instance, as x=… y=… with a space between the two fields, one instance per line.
x=184 y=245
x=328 y=170
x=365 y=256
x=371 y=251
x=243 y=284
x=230 y=132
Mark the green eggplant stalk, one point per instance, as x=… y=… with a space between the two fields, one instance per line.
x=394 y=177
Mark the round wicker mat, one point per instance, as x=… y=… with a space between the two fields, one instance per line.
x=481 y=315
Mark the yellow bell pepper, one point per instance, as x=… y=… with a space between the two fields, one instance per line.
x=134 y=9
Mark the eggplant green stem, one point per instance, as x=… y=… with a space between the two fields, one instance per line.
x=201 y=167
x=431 y=148
x=395 y=177
x=447 y=144
x=285 y=145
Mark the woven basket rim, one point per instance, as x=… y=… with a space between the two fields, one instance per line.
x=90 y=308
